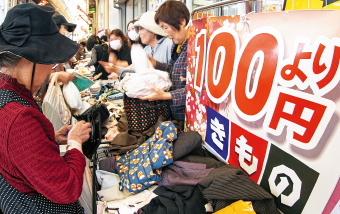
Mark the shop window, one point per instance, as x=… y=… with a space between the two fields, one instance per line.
x=139 y=8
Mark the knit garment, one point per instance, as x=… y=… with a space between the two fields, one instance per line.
x=30 y=159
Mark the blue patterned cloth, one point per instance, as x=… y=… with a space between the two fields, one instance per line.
x=178 y=73
x=142 y=167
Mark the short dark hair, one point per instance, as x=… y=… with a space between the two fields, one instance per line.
x=172 y=12
x=159 y=37
x=104 y=38
x=9 y=60
x=83 y=44
x=120 y=34
x=90 y=43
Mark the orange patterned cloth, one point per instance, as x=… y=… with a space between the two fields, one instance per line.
x=142 y=167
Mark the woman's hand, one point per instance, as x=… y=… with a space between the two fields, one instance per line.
x=65 y=77
x=109 y=67
x=80 y=132
x=157 y=94
x=61 y=134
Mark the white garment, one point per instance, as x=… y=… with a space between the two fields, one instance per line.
x=113 y=193
x=131 y=204
x=135 y=86
x=107 y=179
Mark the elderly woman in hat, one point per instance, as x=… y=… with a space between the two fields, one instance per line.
x=152 y=35
x=34 y=178
x=173 y=17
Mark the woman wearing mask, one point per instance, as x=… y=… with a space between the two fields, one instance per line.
x=152 y=35
x=173 y=17
x=98 y=53
x=30 y=161
x=119 y=49
x=133 y=37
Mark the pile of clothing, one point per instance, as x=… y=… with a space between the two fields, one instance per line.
x=170 y=172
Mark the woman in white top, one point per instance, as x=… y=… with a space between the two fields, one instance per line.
x=152 y=35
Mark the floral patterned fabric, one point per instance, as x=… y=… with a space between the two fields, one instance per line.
x=142 y=167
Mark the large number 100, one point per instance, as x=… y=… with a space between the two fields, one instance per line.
x=227 y=68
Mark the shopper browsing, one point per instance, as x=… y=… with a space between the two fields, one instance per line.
x=173 y=17
x=66 y=29
x=98 y=53
x=119 y=49
x=152 y=35
x=132 y=35
x=30 y=161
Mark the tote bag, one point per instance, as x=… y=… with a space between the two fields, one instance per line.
x=54 y=106
x=142 y=114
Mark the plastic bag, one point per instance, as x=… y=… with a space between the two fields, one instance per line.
x=72 y=96
x=54 y=106
x=135 y=86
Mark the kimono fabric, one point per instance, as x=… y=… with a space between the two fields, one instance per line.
x=142 y=167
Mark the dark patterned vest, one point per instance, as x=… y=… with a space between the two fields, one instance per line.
x=14 y=202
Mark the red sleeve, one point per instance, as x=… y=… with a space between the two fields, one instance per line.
x=38 y=159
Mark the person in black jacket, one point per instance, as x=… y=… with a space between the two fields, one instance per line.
x=119 y=49
x=98 y=53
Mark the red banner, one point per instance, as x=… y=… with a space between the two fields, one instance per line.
x=264 y=93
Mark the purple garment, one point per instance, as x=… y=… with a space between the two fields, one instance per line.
x=181 y=173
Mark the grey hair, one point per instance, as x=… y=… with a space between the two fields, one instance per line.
x=9 y=60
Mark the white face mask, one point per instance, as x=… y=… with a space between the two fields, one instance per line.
x=115 y=44
x=67 y=34
x=133 y=35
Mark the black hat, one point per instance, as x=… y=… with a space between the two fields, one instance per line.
x=29 y=31
x=60 y=20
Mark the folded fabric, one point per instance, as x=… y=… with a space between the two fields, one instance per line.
x=238 y=207
x=135 y=86
x=115 y=96
x=186 y=143
x=183 y=173
x=129 y=139
x=132 y=203
x=176 y=199
x=228 y=184
x=141 y=167
x=113 y=193
x=108 y=164
x=107 y=179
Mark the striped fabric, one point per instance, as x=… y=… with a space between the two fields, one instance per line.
x=14 y=202
x=178 y=73
x=226 y=185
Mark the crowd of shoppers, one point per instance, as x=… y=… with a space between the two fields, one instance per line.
x=30 y=161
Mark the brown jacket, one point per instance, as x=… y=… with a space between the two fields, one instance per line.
x=80 y=53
